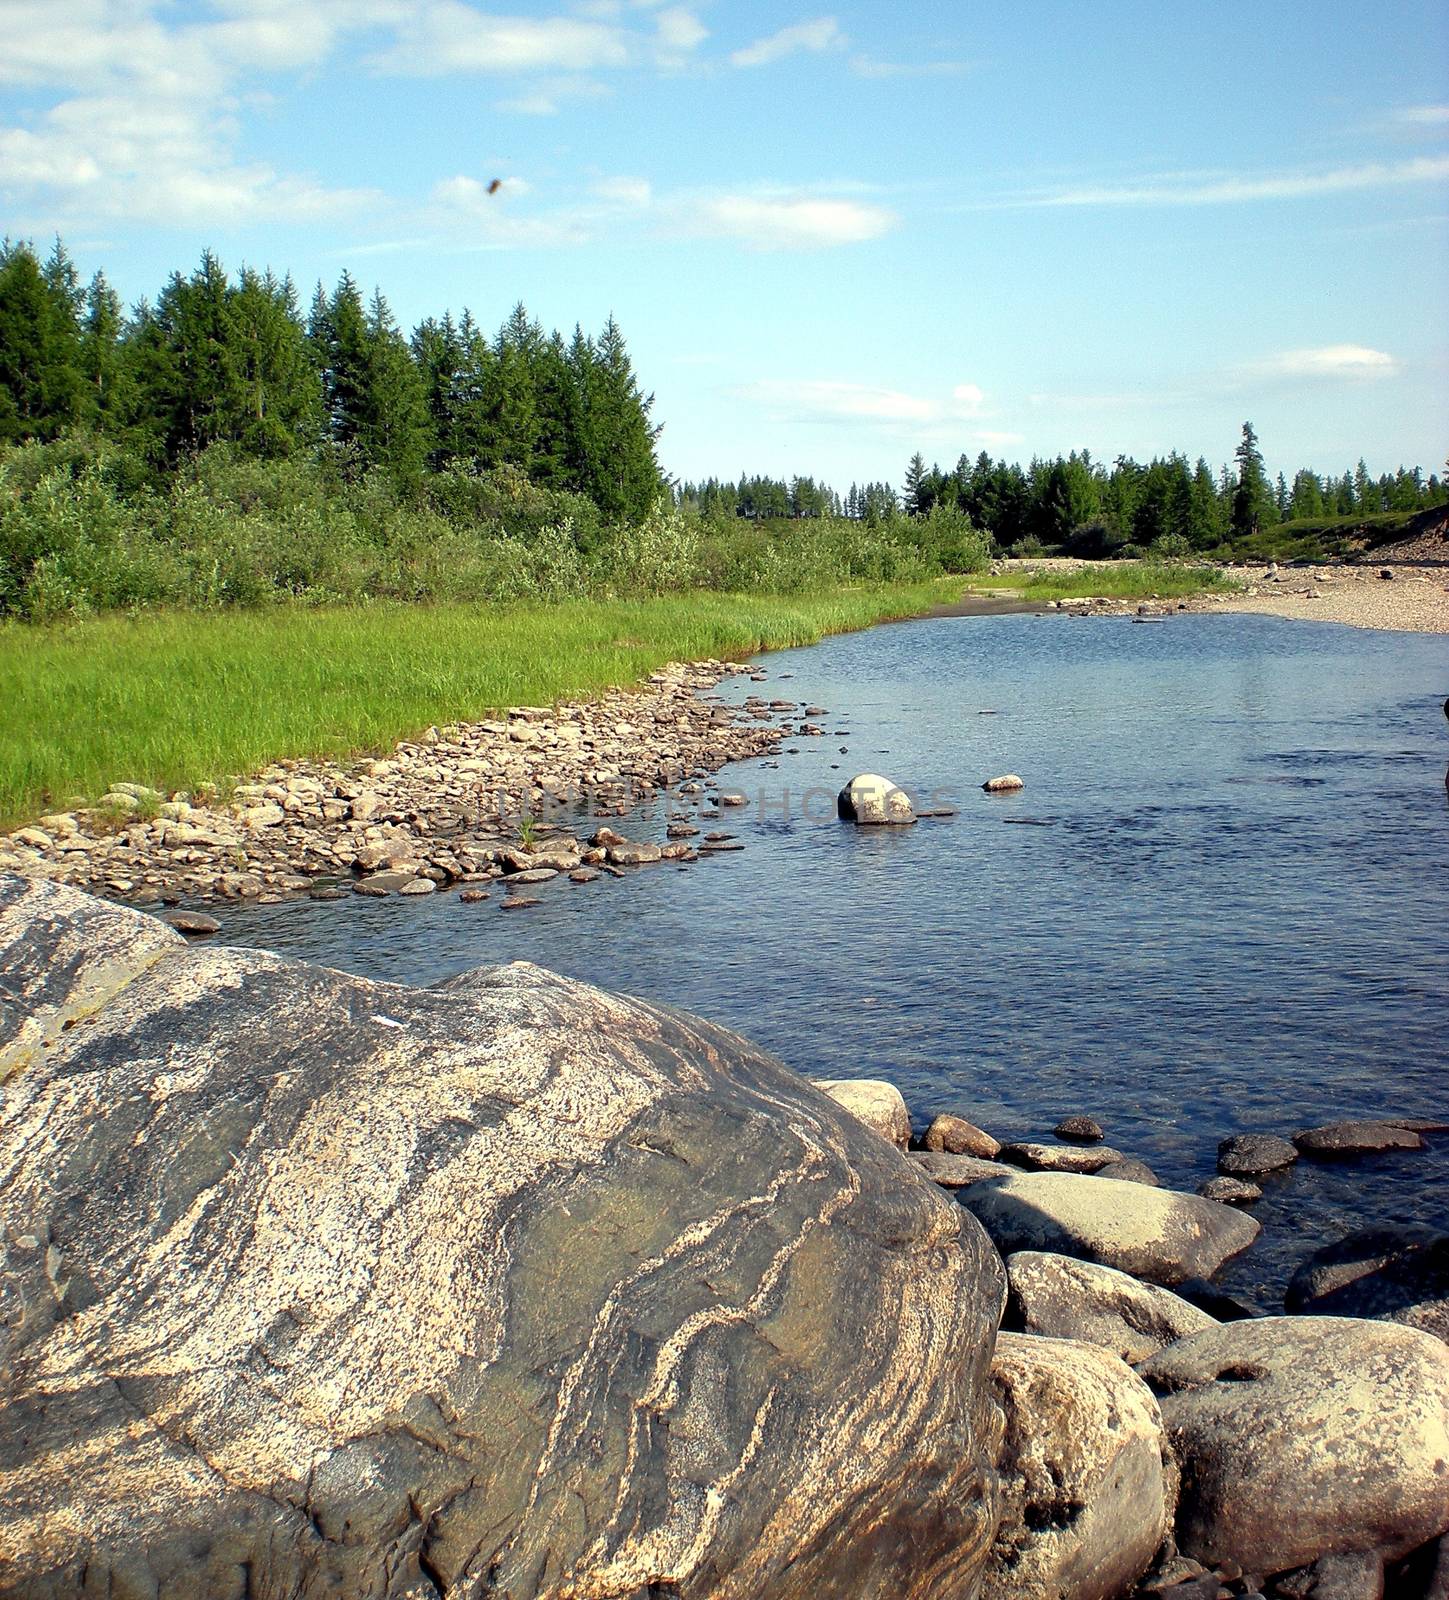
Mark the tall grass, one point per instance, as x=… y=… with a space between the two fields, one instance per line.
x=177 y=699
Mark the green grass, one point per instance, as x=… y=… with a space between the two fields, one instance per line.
x=178 y=699
x=1115 y=580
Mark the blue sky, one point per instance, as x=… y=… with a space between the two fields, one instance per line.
x=831 y=235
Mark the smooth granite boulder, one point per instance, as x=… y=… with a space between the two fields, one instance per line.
x=873 y=801
x=1159 y=1235
x=876 y=1103
x=313 y=1286
x=1088 y=1483
x=1068 y=1299
x=1300 y=1437
x=955 y=1136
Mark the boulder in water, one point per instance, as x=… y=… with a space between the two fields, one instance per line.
x=315 y=1286
x=873 y=801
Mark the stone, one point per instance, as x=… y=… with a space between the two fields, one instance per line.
x=316 y=1286
x=1159 y=1235
x=1085 y=1129
x=953 y=1171
x=419 y=886
x=584 y=874
x=1230 y=1191
x=1088 y=1486
x=681 y=830
x=473 y=897
x=1356 y=1138
x=1252 y=1155
x=192 y=922
x=520 y=902
x=387 y=882
x=720 y=847
x=956 y=1136
x=634 y=855
x=1357 y=1575
x=325 y=891
x=1058 y=1158
x=1007 y=783
x=870 y=800
x=1406 y=1283
x=1129 y=1170
x=263 y=816
x=1068 y=1299
x=1301 y=1436
x=879 y=1105
x=733 y=800
x=534 y=875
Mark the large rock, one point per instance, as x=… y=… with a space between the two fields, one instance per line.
x=878 y=1104
x=1356 y=1139
x=1254 y=1155
x=1088 y=1484
x=955 y=1136
x=313 y=1286
x=1305 y=1436
x=955 y=1172
x=1059 y=1157
x=874 y=801
x=1156 y=1234
x=1069 y=1299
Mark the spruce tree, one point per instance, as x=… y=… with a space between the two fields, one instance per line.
x=1252 y=498
x=41 y=384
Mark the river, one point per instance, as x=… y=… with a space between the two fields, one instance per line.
x=1219 y=905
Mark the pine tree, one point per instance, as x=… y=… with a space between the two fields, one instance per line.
x=277 y=385
x=41 y=383
x=1252 y=499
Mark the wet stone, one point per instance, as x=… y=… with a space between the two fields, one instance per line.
x=1250 y=1155
x=195 y=923
x=1083 y=1130
x=473 y=897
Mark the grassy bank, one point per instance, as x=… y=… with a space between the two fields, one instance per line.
x=176 y=699
x=1114 y=580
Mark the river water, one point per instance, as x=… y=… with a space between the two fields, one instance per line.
x=1220 y=904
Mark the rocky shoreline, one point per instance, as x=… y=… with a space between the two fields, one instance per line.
x=325 y=1287
x=464 y=805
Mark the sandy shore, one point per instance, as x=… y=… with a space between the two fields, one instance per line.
x=1414 y=600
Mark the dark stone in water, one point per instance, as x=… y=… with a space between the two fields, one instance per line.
x=1356 y=1138
x=1250 y=1155
x=192 y=922
x=1080 y=1129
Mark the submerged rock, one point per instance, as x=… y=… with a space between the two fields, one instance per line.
x=1156 y=1234
x=1301 y=1436
x=1088 y=1485
x=1356 y=1138
x=314 y=1286
x=1252 y=1155
x=1064 y=1298
x=1397 y=1274
x=873 y=801
x=1059 y=1157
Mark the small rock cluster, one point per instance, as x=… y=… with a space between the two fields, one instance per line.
x=444 y=809
x=1162 y=1440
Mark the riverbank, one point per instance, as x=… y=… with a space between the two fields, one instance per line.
x=177 y=701
x=1414 y=598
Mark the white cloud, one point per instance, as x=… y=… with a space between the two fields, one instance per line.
x=679 y=30
x=636 y=193
x=1193 y=189
x=1331 y=361
x=813 y=37
x=816 y=400
x=786 y=222
x=444 y=36
x=867 y=67
x=1423 y=116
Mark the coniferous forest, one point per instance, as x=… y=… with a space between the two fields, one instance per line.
x=222 y=446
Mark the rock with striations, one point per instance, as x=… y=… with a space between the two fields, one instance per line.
x=873 y=801
x=1063 y=1298
x=313 y=1286
x=955 y=1136
x=1088 y=1485
x=1159 y=1235
x=876 y=1103
x=1306 y=1436
x=1253 y=1155
x=1356 y=1139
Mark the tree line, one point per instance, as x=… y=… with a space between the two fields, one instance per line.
x=234 y=361
x=1078 y=504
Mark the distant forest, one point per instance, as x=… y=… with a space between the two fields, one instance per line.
x=1078 y=504
x=233 y=365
